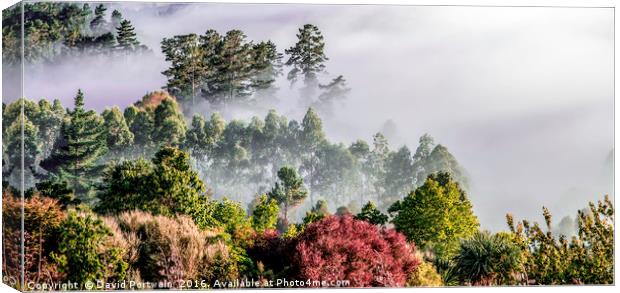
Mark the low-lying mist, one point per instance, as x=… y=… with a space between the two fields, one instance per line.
x=523 y=97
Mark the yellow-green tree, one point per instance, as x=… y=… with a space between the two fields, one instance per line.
x=436 y=215
x=265 y=214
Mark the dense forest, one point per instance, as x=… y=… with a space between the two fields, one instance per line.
x=163 y=194
x=53 y=30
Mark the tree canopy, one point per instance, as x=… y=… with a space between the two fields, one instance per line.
x=76 y=154
x=57 y=29
x=436 y=215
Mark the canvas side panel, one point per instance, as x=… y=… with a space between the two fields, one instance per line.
x=12 y=147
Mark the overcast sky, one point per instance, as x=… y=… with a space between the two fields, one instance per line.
x=523 y=97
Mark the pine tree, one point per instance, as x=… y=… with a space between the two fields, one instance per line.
x=234 y=66
x=117 y=18
x=267 y=66
x=289 y=191
x=76 y=153
x=333 y=91
x=211 y=46
x=79 y=29
x=222 y=69
x=99 y=22
x=104 y=43
x=307 y=57
x=126 y=37
x=189 y=68
x=372 y=215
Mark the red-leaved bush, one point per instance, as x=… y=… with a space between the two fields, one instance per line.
x=342 y=248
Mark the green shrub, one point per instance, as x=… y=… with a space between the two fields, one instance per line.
x=488 y=259
x=84 y=253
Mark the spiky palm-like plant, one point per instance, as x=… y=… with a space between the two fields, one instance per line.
x=488 y=259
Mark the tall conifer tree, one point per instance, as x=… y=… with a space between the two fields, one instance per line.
x=76 y=153
x=234 y=66
x=307 y=57
x=126 y=37
x=289 y=191
x=99 y=22
x=188 y=71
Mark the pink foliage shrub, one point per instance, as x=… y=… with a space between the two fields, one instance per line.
x=342 y=248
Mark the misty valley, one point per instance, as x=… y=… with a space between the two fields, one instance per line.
x=208 y=180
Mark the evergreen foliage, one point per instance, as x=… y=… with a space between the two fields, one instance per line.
x=307 y=56
x=76 y=155
x=82 y=255
x=161 y=222
x=222 y=69
x=57 y=29
x=436 y=215
x=118 y=135
x=165 y=186
x=372 y=215
x=289 y=191
x=126 y=38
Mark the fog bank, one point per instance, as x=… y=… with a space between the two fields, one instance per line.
x=523 y=97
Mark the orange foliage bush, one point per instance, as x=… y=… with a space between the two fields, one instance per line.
x=153 y=99
x=160 y=248
x=42 y=217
